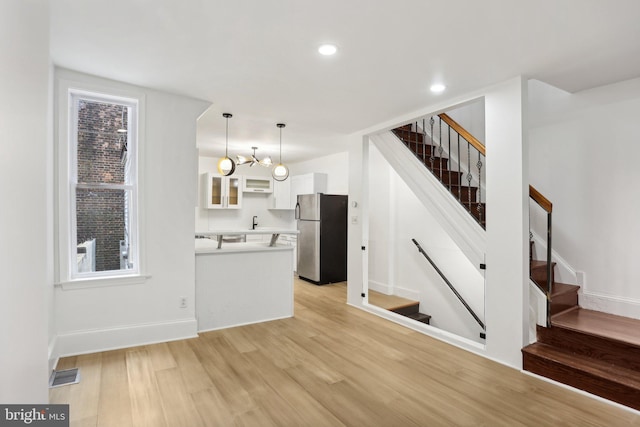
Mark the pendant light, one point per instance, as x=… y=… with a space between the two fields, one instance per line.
x=280 y=172
x=243 y=160
x=226 y=166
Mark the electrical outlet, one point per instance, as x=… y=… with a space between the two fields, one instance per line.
x=183 y=302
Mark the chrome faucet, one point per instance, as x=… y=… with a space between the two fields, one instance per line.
x=255 y=222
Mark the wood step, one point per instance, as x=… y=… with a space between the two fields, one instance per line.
x=408 y=135
x=563 y=297
x=406 y=309
x=538 y=273
x=585 y=373
x=462 y=192
x=420 y=317
x=623 y=351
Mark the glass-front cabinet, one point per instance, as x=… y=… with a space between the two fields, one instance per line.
x=223 y=192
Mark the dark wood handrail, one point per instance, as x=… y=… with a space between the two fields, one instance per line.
x=463 y=132
x=540 y=199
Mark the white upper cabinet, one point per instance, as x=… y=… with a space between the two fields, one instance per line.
x=281 y=196
x=222 y=192
x=257 y=184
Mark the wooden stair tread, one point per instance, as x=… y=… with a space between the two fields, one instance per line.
x=597 y=323
x=562 y=288
x=539 y=264
x=389 y=302
x=594 y=367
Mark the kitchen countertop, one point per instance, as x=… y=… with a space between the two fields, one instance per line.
x=237 y=232
x=274 y=231
x=210 y=246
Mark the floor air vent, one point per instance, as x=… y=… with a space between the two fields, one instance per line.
x=66 y=377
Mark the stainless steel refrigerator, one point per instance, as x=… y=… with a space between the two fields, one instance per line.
x=322 y=242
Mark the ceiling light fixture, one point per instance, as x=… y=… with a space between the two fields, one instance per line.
x=280 y=172
x=438 y=87
x=226 y=166
x=243 y=160
x=328 y=49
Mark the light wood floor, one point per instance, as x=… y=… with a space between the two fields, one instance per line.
x=330 y=365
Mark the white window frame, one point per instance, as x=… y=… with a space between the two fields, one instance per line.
x=66 y=264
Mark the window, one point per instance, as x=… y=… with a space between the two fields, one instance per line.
x=102 y=199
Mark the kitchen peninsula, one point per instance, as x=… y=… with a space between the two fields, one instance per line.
x=239 y=283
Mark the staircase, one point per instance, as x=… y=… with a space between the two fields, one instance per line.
x=406 y=307
x=589 y=350
x=433 y=158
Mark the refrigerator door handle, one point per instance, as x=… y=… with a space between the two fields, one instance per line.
x=297 y=211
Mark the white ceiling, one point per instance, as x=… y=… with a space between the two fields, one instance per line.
x=258 y=59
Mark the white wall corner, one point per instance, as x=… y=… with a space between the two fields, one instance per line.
x=357 y=259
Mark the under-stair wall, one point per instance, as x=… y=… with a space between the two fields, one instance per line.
x=396 y=267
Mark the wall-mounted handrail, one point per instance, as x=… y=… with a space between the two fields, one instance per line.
x=453 y=289
x=464 y=133
x=540 y=199
x=545 y=204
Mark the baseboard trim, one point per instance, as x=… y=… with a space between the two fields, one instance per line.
x=97 y=340
x=383 y=288
x=621 y=306
x=244 y=324
x=52 y=353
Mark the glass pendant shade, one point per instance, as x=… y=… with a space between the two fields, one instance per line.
x=280 y=172
x=226 y=166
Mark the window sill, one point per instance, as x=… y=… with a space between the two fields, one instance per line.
x=101 y=282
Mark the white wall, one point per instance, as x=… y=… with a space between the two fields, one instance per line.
x=111 y=316
x=584 y=155
x=24 y=190
x=396 y=267
x=336 y=166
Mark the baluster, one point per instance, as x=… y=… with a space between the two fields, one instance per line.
x=431 y=158
x=440 y=151
x=479 y=165
x=469 y=176
x=424 y=142
x=449 y=141
x=416 y=139
x=459 y=172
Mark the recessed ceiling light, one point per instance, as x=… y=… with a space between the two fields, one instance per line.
x=438 y=87
x=328 y=49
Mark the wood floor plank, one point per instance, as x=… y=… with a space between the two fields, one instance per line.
x=161 y=357
x=146 y=406
x=330 y=365
x=115 y=400
x=86 y=394
x=195 y=377
x=212 y=407
x=174 y=395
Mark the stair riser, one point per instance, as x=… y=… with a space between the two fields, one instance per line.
x=616 y=392
x=406 y=135
x=563 y=302
x=539 y=275
x=462 y=193
x=600 y=348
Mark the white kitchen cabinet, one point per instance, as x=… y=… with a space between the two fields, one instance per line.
x=309 y=183
x=281 y=196
x=222 y=192
x=257 y=184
